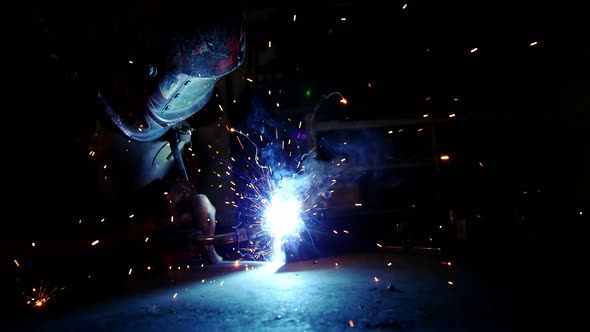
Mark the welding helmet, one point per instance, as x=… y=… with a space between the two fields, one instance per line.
x=166 y=65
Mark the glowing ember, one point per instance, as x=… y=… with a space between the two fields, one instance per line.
x=39 y=296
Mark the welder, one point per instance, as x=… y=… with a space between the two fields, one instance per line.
x=137 y=73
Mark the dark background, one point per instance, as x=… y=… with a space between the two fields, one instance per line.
x=521 y=111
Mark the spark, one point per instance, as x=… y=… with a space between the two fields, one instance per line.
x=18 y=265
x=279 y=190
x=473 y=50
x=39 y=296
x=533 y=43
x=95 y=242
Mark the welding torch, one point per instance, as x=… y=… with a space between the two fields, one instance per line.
x=242 y=233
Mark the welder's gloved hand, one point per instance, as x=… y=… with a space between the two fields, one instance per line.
x=193 y=214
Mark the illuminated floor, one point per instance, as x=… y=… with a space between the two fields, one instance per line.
x=377 y=291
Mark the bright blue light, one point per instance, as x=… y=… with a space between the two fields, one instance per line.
x=283 y=215
x=280 y=185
